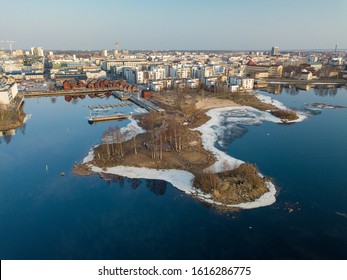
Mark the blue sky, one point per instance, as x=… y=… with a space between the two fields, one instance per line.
x=179 y=24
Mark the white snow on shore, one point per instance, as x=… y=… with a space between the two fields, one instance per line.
x=131 y=130
x=182 y=180
x=90 y=156
x=280 y=105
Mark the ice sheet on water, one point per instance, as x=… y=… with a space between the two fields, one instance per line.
x=234 y=123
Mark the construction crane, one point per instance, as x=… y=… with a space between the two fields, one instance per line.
x=10 y=44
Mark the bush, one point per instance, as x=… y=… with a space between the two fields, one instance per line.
x=285 y=114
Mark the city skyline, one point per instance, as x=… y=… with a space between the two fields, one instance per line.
x=178 y=25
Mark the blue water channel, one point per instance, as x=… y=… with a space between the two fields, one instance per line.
x=47 y=216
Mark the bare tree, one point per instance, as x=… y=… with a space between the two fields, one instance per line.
x=105 y=141
x=119 y=139
x=176 y=133
x=179 y=101
x=159 y=134
x=133 y=132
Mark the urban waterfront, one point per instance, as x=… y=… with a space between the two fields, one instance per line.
x=47 y=216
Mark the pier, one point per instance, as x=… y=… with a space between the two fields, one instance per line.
x=121 y=96
x=129 y=100
x=146 y=104
x=93 y=119
x=109 y=106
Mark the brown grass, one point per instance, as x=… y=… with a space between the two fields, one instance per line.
x=242 y=184
x=285 y=114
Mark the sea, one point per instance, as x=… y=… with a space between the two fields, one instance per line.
x=44 y=215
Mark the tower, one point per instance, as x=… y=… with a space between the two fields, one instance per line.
x=275 y=51
x=116 y=49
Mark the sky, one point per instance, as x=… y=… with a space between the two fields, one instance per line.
x=174 y=24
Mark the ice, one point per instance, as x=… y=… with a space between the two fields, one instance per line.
x=89 y=157
x=279 y=105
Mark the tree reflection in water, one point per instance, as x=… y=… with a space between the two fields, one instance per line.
x=158 y=187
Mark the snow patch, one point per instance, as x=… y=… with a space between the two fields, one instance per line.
x=280 y=105
x=180 y=179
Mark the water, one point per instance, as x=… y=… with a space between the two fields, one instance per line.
x=46 y=216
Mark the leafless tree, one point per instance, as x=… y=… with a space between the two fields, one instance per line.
x=133 y=132
x=105 y=141
x=119 y=139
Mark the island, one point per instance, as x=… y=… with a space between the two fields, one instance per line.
x=178 y=147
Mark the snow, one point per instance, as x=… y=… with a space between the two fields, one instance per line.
x=131 y=130
x=279 y=105
x=209 y=137
x=180 y=179
x=90 y=156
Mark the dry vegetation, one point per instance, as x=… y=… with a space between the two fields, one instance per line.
x=284 y=114
x=248 y=99
x=242 y=184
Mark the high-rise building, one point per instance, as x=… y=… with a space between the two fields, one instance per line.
x=37 y=51
x=115 y=53
x=275 y=51
x=104 y=52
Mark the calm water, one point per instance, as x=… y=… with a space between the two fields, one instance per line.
x=46 y=216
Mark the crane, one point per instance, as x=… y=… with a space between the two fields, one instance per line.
x=10 y=44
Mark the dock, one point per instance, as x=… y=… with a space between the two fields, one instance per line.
x=93 y=119
x=109 y=106
x=141 y=102
x=121 y=96
x=145 y=104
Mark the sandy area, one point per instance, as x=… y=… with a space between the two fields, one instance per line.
x=210 y=103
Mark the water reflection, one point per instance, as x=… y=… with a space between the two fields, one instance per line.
x=325 y=91
x=158 y=187
x=11 y=122
x=319 y=90
x=74 y=98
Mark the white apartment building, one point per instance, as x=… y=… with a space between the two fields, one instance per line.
x=208 y=72
x=107 y=64
x=192 y=83
x=157 y=74
x=104 y=52
x=139 y=76
x=244 y=83
x=95 y=74
x=155 y=85
x=183 y=73
x=37 y=51
x=8 y=93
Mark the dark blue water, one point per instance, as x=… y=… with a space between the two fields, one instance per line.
x=46 y=216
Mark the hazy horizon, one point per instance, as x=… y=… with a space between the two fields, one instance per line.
x=174 y=25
